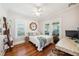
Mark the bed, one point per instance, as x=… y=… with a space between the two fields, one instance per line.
x=41 y=41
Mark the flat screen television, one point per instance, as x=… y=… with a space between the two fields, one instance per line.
x=72 y=34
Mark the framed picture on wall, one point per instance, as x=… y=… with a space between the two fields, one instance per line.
x=46 y=29
x=55 y=28
x=33 y=26
x=20 y=30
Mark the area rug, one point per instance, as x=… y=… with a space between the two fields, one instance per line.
x=56 y=52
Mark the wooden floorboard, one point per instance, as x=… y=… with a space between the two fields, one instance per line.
x=28 y=49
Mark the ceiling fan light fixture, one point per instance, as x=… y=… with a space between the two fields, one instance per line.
x=37 y=10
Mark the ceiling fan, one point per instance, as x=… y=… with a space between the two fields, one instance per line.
x=38 y=9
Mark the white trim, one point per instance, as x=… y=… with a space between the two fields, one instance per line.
x=19 y=42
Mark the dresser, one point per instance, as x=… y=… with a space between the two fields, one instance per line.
x=2 y=52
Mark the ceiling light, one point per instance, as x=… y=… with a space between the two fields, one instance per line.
x=38 y=9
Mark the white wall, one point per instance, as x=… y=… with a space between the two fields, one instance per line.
x=69 y=20
x=17 y=18
x=42 y=25
x=2 y=12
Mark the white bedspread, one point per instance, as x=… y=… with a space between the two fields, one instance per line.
x=35 y=41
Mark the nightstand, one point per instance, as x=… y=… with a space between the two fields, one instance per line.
x=26 y=38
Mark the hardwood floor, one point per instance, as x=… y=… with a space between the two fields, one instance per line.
x=28 y=49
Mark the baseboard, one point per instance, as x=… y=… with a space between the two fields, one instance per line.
x=19 y=42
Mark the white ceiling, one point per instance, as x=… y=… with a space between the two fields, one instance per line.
x=26 y=9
